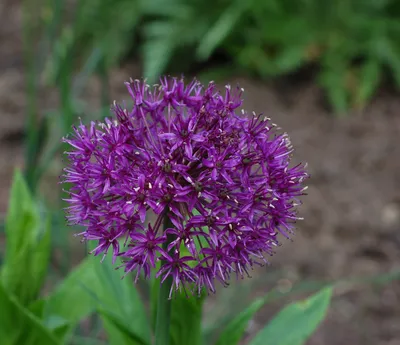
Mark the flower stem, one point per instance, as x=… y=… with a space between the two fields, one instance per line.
x=164 y=303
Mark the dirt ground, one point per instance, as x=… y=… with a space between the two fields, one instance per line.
x=352 y=211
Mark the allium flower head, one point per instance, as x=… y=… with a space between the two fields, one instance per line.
x=221 y=177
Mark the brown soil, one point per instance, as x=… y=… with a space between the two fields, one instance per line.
x=352 y=212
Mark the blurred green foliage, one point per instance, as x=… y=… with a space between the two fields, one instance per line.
x=27 y=254
x=353 y=43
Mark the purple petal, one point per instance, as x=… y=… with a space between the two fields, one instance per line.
x=198 y=138
x=208 y=163
x=142 y=213
x=167 y=136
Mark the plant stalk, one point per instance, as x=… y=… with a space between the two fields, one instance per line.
x=164 y=303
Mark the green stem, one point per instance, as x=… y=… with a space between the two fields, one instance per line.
x=164 y=303
x=29 y=35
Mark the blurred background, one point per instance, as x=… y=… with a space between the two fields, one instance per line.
x=327 y=72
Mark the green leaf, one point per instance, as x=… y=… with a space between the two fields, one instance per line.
x=221 y=29
x=118 y=333
x=59 y=327
x=70 y=300
x=290 y=58
x=88 y=68
x=296 y=322
x=19 y=326
x=37 y=307
x=156 y=55
x=232 y=334
x=255 y=59
x=95 y=285
x=186 y=316
x=390 y=54
x=56 y=324
x=334 y=82
x=59 y=56
x=28 y=244
x=158 y=48
x=186 y=313
x=118 y=301
x=370 y=76
x=69 y=303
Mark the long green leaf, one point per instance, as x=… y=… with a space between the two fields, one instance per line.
x=289 y=59
x=118 y=300
x=186 y=319
x=28 y=244
x=70 y=301
x=94 y=285
x=371 y=72
x=390 y=54
x=56 y=324
x=118 y=332
x=221 y=28
x=334 y=82
x=232 y=334
x=19 y=326
x=156 y=55
x=295 y=323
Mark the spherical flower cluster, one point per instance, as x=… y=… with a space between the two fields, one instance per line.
x=217 y=182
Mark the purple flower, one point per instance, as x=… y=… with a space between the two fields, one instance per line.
x=183 y=152
x=144 y=249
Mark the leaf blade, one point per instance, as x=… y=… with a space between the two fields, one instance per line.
x=69 y=301
x=27 y=253
x=301 y=318
x=221 y=29
x=118 y=301
x=232 y=334
x=19 y=326
x=186 y=318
